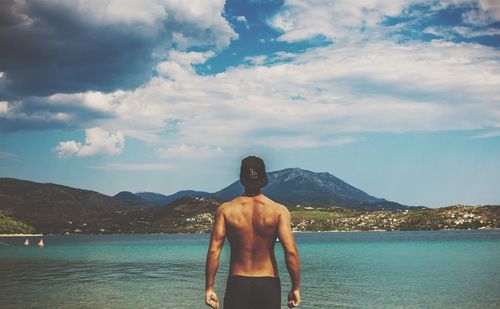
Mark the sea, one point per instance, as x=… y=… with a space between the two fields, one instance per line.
x=398 y=269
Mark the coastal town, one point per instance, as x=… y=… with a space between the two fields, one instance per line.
x=341 y=219
x=447 y=218
x=196 y=215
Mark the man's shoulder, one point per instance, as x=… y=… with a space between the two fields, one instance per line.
x=227 y=206
x=282 y=209
x=265 y=200
x=222 y=207
x=277 y=207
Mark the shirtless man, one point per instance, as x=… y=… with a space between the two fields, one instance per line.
x=252 y=222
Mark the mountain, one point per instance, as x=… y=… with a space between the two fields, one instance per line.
x=186 y=214
x=12 y=226
x=152 y=197
x=295 y=186
x=51 y=208
x=162 y=200
x=27 y=206
x=131 y=199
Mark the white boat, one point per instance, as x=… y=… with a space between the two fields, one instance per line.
x=26 y=242
x=41 y=244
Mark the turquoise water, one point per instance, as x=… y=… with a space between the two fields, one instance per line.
x=432 y=269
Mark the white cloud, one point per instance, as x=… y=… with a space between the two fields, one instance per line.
x=126 y=39
x=12 y=111
x=91 y=100
x=134 y=166
x=147 y=16
x=189 y=58
x=351 y=86
x=68 y=148
x=180 y=64
x=489 y=134
x=6 y=154
x=256 y=60
x=243 y=19
x=189 y=151
x=305 y=19
x=485 y=12
x=97 y=142
x=342 y=141
x=4 y=107
x=432 y=30
x=347 y=20
x=470 y=33
x=281 y=56
x=146 y=136
x=301 y=141
x=451 y=33
x=329 y=91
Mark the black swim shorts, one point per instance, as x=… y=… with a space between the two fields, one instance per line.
x=252 y=293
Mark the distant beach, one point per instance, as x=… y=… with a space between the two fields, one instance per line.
x=20 y=235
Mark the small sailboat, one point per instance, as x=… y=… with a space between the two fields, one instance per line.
x=26 y=242
x=41 y=244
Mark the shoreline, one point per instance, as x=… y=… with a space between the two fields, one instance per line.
x=21 y=235
x=294 y=232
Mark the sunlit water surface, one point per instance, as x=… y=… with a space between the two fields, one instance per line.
x=432 y=269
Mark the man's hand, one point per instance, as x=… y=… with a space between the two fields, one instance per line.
x=211 y=299
x=293 y=298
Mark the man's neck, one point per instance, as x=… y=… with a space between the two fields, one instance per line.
x=249 y=192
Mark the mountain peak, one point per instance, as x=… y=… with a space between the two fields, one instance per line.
x=163 y=200
x=125 y=194
x=290 y=170
x=130 y=198
x=294 y=186
x=290 y=173
x=305 y=177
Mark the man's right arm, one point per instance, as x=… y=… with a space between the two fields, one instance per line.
x=291 y=252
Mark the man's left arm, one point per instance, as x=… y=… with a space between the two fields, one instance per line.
x=213 y=257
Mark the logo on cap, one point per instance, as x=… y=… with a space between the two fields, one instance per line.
x=253 y=174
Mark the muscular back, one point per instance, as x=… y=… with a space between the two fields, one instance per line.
x=251 y=225
x=251 y=228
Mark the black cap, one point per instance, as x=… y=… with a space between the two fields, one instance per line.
x=253 y=173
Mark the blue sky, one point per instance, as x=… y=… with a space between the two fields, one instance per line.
x=398 y=98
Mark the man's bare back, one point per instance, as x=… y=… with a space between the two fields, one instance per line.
x=251 y=223
x=252 y=229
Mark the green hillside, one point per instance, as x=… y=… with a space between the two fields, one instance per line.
x=10 y=225
x=452 y=217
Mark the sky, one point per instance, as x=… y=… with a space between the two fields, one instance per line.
x=398 y=98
